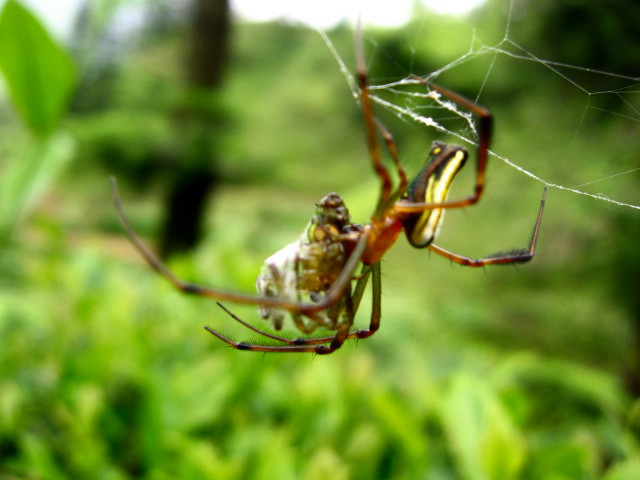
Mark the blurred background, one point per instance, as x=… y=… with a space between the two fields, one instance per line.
x=224 y=124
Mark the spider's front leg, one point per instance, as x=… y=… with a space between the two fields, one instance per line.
x=485 y=131
x=276 y=302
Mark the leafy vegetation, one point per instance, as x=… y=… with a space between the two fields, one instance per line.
x=40 y=78
x=507 y=373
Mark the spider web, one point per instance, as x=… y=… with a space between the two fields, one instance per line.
x=414 y=105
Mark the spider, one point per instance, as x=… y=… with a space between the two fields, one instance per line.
x=311 y=279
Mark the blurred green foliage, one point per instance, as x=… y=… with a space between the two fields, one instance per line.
x=39 y=75
x=105 y=372
x=116 y=382
x=38 y=71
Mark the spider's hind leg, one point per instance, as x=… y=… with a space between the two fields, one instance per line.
x=297 y=345
x=314 y=345
x=255 y=329
x=288 y=341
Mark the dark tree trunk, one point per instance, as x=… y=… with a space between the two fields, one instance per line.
x=194 y=177
x=187 y=205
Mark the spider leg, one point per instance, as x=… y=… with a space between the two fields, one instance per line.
x=333 y=295
x=313 y=345
x=336 y=342
x=297 y=341
x=307 y=342
x=393 y=151
x=374 y=322
x=514 y=256
x=376 y=310
x=485 y=122
x=370 y=126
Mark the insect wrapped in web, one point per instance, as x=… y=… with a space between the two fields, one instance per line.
x=306 y=269
x=314 y=279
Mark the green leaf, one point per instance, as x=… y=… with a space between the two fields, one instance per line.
x=625 y=470
x=484 y=442
x=39 y=73
x=28 y=175
x=39 y=458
